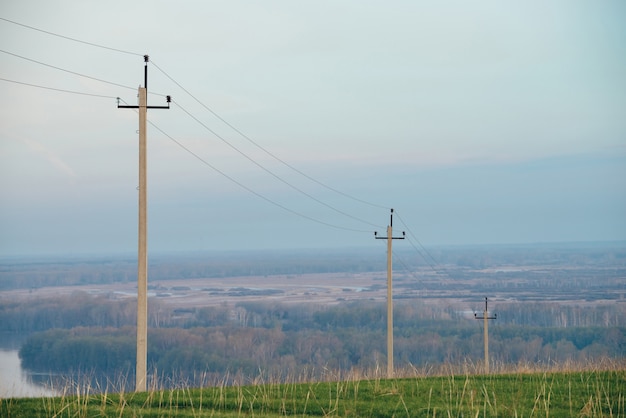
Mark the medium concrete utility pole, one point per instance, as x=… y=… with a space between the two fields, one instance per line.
x=486 y=319
x=142 y=251
x=389 y=239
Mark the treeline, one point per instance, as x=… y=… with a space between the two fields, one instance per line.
x=281 y=340
x=84 y=310
x=93 y=349
x=176 y=352
x=79 y=309
x=185 y=353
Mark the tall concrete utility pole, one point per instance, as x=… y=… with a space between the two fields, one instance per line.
x=142 y=251
x=486 y=319
x=389 y=239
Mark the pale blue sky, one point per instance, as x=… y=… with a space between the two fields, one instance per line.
x=479 y=122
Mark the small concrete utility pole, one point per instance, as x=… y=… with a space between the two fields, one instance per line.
x=389 y=239
x=486 y=319
x=142 y=251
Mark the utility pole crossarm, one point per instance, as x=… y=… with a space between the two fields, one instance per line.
x=485 y=314
x=142 y=248
x=390 y=226
x=169 y=99
x=389 y=239
x=145 y=86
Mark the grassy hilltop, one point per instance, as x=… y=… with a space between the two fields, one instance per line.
x=561 y=394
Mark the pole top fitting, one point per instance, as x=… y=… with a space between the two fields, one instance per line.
x=168 y=99
x=145 y=58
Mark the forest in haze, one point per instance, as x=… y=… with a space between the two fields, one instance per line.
x=564 y=305
x=282 y=340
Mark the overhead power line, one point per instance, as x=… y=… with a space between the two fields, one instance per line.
x=430 y=260
x=266 y=151
x=70 y=38
x=76 y=73
x=276 y=176
x=206 y=127
x=185 y=148
x=290 y=166
x=57 y=89
x=67 y=71
x=214 y=133
x=250 y=190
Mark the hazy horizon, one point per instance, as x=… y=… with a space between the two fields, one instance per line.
x=404 y=250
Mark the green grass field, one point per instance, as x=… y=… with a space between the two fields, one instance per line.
x=572 y=394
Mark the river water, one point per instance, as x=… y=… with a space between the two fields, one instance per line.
x=17 y=383
x=14 y=381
